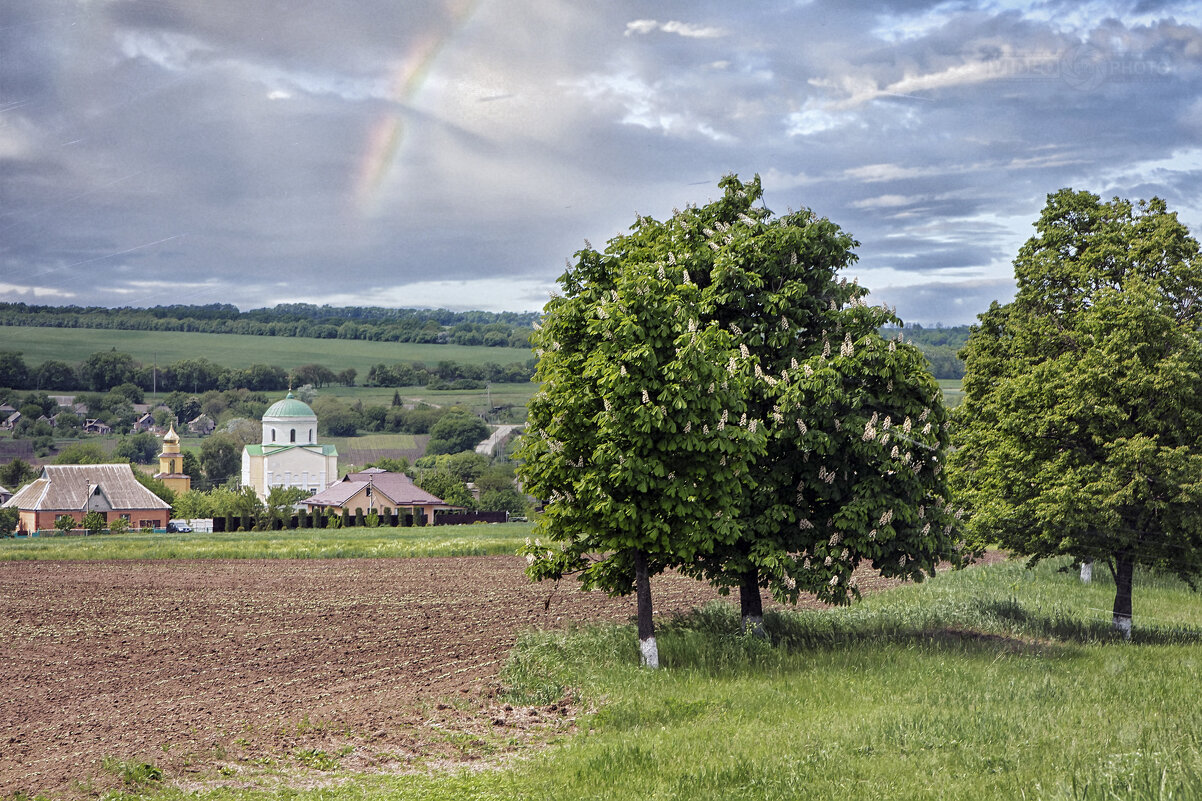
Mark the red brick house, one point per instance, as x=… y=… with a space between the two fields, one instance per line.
x=76 y=489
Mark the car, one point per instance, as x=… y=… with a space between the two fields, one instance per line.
x=179 y=528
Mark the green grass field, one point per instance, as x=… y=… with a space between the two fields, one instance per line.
x=237 y=350
x=343 y=543
x=953 y=395
x=991 y=683
x=478 y=400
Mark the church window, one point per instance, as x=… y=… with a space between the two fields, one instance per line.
x=310 y=435
x=171 y=468
x=293 y=436
x=273 y=435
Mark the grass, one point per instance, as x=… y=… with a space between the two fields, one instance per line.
x=342 y=543
x=953 y=394
x=241 y=350
x=992 y=683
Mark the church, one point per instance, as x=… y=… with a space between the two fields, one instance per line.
x=289 y=455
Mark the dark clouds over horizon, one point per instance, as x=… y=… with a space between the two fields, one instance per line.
x=455 y=153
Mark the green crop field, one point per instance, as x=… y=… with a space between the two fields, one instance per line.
x=355 y=452
x=340 y=543
x=953 y=395
x=237 y=350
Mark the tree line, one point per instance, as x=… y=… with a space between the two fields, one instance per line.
x=371 y=323
x=104 y=370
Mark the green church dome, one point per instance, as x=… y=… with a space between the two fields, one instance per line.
x=289 y=407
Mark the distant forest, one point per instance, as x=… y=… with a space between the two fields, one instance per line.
x=374 y=323
x=940 y=345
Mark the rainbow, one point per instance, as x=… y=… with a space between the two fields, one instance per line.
x=386 y=136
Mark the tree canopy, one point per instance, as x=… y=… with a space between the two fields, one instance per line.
x=1081 y=419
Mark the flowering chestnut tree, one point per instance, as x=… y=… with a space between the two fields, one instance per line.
x=639 y=438
x=855 y=427
x=715 y=399
x=1082 y=416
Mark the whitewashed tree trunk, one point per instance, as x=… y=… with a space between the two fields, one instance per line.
x=648 y=650
x=1086 y=571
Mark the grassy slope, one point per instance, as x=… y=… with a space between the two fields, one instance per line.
x=991 y=683
x=235 y=350
x=481 y=540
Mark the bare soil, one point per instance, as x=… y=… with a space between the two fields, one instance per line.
x=207 y=668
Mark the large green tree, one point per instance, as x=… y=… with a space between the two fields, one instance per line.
x=639 y=438
x=1082 y=416
x=220 y=457
x=855 y=424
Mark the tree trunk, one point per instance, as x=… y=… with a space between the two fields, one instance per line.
x=1086 y=571
x=1123 y=573
x=646 y=625
x=751 y=605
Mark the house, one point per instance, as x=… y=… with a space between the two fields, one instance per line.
x=77 y=489
x=202 y=425
x=10 y=422
x=289 y=455
x=143 y=423
x=4 y=495
x=95 y=426
x=376 y=489
x=6 y=410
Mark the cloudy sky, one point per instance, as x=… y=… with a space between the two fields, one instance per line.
x=453 y=154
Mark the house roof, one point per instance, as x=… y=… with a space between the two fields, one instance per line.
x=392 y=489
x=68 y=487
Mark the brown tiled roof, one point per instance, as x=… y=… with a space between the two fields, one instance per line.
x=394 y=489
x=67 y=487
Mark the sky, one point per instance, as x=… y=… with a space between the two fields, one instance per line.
x=454 y=153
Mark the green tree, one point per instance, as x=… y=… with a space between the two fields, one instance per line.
x=220 y=458
x=104 y=370
x=94 y=522
x=64 y=524
x=9 y=520
x=446 y=486
x=1081 y=420
x=17 y=474
x=14 y=373
x=141 y=448
x=854 y=423
x=56 y=375
x=639 y=438
x=82 y=453
x=193 y=504
x=155 y=485
x=455 y=432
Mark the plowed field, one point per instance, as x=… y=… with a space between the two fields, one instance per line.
x=200 y=666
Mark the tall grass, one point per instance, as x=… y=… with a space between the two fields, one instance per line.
x=342 y=543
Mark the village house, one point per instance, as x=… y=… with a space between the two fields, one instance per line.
x=202 y=425
x=96 y=426
x=375 y=490
x=75 y=490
